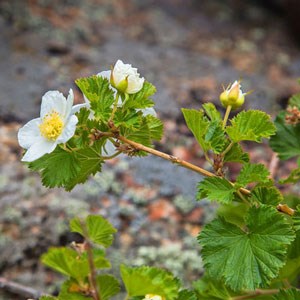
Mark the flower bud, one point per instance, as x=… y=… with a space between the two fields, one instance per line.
x=233 y=96
x=125 y=78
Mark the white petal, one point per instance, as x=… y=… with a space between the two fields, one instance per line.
x=109 y=148
x=105 y=74
x=149 y=111
x=69 y=105
x=135 y=84
x=68 y=131
x=53 y=100
x=38 y=149
x=29 y=133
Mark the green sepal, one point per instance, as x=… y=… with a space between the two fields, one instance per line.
x=140 y=281
x=249 y=257
x=251 y=125
x=98 y=229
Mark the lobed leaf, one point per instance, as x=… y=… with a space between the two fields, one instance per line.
x=246 y=259
x=212 y=112
x=99 y=230
x=252 y=173
x=236 y=154
x=216 y=189
x=140 y=281
x=286 y=142
x=251 y=125
x=289 y=294
x=266 y=195
x=108 y=286
x=215 y=137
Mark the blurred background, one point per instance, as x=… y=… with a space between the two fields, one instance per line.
x=187 y=49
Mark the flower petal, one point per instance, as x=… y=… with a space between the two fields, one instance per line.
x=68 y=131
x=69 y=105
x=105 y=74
x=38 y=149
x=53 y=100
x=148 y=111
x=29 y=133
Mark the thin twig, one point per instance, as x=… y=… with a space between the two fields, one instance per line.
x=256 y=293
x=19 y=289
x=93 y=273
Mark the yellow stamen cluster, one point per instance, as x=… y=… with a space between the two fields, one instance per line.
x=52 y=126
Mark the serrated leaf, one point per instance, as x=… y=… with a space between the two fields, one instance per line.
x=216 y=189
x=89 y=161
x=101 y=96
x=246 y=259
x=266 y=195
x=236 y=154
x=252 y=173
x=70 y=290
x=286 y=142
x=198 y=124
x=56 y=168
x=99 y=230
x=215 y=136
x=212 y=112
x=251 y=125
x=187 y=295
x=66 y=262
x=289 y=294
x=140 y=281
x=155 y=127
x=141 y=99
x=210 y=289
x=108 y=286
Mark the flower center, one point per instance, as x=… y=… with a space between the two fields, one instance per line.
x=51 y=126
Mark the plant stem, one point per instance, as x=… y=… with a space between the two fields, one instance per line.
x=114 y=108
x=256 y=293
x=173 y=159
x=93 y=273
x=227 y=149
x=228 y=109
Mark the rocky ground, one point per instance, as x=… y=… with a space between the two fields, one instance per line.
x=187 y=50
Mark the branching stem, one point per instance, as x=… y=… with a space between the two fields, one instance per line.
x=256 y=293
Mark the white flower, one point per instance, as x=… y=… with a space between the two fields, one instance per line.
x=125 y=78
x=56 y=125
x=153 y=297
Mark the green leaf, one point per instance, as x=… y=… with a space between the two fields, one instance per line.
x=251 y=125
x=212 y=112
x=233 y=212
x=48 y=298
x=56 y=168
x=210 y=289
x=140 y=281
x=141 y=99
x=108 y=286
x=246 y=258
x=295 y=101
x=187 y=295
x=67 y=262
x=294 y=177
x=99 y=230
x=252 y=173
x=289 y=294
x=286 y=142
x=198 y=124
x=215 y=136
x=101 y=96
x=266 y=195
x=236 y=154
x=67 y=291
x=155 y=127
x=216 y=189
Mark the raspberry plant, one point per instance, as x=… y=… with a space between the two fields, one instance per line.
x=250 y=250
